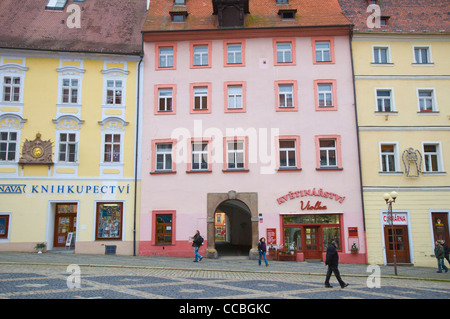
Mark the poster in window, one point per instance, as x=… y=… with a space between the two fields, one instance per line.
x=109 y=221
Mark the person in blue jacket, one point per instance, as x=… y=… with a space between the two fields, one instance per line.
x=262 y=249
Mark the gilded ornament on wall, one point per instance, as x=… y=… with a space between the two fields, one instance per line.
x=36 y=151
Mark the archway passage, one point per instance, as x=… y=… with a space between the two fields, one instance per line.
x=233 y=229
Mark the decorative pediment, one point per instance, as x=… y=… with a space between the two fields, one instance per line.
x=37 y=151
x=113 y=124
x=68 y=122
x=11 y=121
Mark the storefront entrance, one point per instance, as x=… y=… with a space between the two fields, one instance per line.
x=65 y=224
x=440 y=226
x=396 y=237
x=312 y=243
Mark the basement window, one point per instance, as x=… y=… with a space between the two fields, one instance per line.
x=56 y=5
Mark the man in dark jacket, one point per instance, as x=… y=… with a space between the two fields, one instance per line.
x=196 y=243
x=332 y=261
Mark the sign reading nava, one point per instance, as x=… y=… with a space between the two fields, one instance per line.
x=63 y=189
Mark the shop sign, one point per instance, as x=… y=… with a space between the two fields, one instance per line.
x=317 y=206
x=397 y=218
x=310 y=192
x=64 y=189
x=271 y=236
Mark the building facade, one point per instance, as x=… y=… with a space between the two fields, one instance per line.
x=68 y=125
x=402 y=79
x=249 y=129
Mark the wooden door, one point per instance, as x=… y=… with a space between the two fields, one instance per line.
x=440 y=227
x=397 y=237
x=312 y=243
x=64 y=224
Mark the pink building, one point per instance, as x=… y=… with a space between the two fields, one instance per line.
x=248 y=110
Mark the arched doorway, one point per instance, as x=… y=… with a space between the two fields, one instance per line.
x=241 y=210
x=233 y=228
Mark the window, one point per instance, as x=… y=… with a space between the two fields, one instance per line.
x=180 y=2
x=200 y=101
x=163 y=232
x=384 y=100
x=199 y=156
x=287 y=14
x=388 y=157
x=235 y=154
x=70 y=90
x=325 y=95
x=165 y=57
x=57 y=5
x=8 y=146
x=11 y=89
x=178 y=16
x=67 y=147
x=112 y=148
x=235 y=97
x=422 y=55
x=286 y=95
x=431 y=154
x=328 y=148
x=165 y=99
x=323 y=53
x=114 y=92
x=164 y=156
x=109 y=221
x=282 y=1
x=234 y=53
x=288 y=151
x=200 y=54
x=284 y=51
x=381 y=55
x=4 y=226
x=426 y=101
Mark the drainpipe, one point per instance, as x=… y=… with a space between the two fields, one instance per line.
x=358 y=142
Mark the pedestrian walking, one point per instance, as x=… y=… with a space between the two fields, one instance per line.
x=439 y=253
x=446 y=250
x=197 y=242
x=332 y=261
x=262 y=249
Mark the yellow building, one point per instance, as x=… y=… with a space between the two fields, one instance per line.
x=402 y=81
x=68 y=110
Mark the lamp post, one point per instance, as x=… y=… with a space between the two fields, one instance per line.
x=390 y=198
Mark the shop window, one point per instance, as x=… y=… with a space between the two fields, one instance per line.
x=4 y=226
x=109 y=221
x=163 y=233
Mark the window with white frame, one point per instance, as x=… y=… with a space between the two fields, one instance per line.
x=234 y=53
x=422 y=55
x=165 y=57
x=431 y=155
x=384 y=100
x=164 y=156
x=11 y=88
x=234 y=96
x=8 y=146
x=112 y=148
x=381 y=55
x=328 y=153
x=285 y=95
x=323 y=51
x=201 y=55
x=114 y=90
x=288 y=154
x=325 y=94
x=70 y=90
x=199 y=156
x=165 y=98
x=388 y=157
x=284 y=52
x=200 y=98
x=426 y=100
x=235 y=154
x=68 y=147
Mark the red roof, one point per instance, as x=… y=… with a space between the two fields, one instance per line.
x=107 y=26
x=263 y=14
x=404 y=16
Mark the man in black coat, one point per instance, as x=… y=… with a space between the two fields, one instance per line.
x=332 y=261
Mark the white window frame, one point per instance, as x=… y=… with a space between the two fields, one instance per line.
x=58 y=146
x=322 y=51
x=383 y=156
x=165 y=98
x=327 y=150
x=432 y=97
x=375 y=54
x=430 y=56
x=200 y=52
x=391 y=100
x=104 y=143
x=286 y=151
x=234 y=56
x=199 y=92
x=201 y=155
x=169 y=57
x=286 y=54
x=324 y=93
x=437 y=153
x=235 y=153
x=8 y=141
x=114 y=74
x=235 y=97
x=285 y=96
x=164 y=153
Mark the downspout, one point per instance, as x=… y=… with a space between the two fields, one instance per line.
x=358 y=141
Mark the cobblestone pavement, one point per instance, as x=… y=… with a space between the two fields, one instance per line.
x=50 y=276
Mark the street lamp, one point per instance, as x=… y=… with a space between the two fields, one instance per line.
x=390 y=198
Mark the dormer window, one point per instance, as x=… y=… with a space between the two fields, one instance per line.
x=282 y=2
x=178 y=16
x=57 y=5
x=287 y=14
x=230 y=13
x=179 y=2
